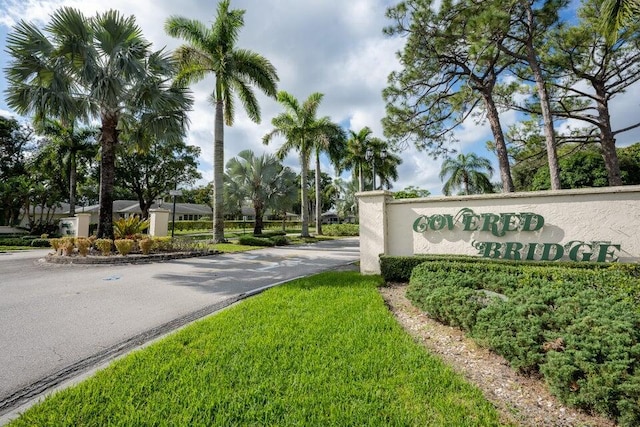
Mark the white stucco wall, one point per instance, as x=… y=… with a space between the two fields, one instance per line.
x=598 y=217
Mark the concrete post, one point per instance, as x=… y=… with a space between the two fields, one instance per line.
x=159 y=222
x=373 y=229
x=82 y=224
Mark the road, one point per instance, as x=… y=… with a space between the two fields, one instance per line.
x=59 y=321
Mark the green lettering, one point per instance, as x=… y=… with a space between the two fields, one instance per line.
x=421 y=224
x=532 y=222
x=605 y=252
x=531 y=252
x=438 y=222
x=512 y=250
x=470 y=222
x=490 y=223
x=575 y=252
x=509 y=222
x=490 y=249
x=546 y=252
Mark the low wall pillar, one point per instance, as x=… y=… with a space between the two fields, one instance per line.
x=159 y=222
x=372 y=208
x=82 y=224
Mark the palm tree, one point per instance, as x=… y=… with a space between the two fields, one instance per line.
x=71 y=144
x=95 y=68
x=212 y=51
x=257 y=178
x=355 y=156
x=303 y=132
x=384 y=165
x=466 y=172
x=616 y=14
x=333 y=143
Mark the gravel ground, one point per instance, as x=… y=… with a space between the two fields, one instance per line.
x=522 y=400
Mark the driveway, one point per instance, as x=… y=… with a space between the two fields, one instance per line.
x=61 y=320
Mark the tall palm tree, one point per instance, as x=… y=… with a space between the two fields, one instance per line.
x=257 y=178
x=213 y=51
x=467 y=172
x=303 y=132
x=354 y=159
x=333 y=143
x=386 y=167
x=101 y=68
x=71 y=144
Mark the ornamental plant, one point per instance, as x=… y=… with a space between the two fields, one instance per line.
x=83 y=246
x=67 y=246
x=124 y=246
x=128 y=228
x=145 y=245
x=104 y=246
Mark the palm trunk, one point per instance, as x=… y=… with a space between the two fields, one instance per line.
x=360 y=178
x=607 y=138
x=108 y=144
x=218 y=171
x=501 y=146
x=304 y=203
x=259 y=210
x=543 y=94
x=318 y=197
x=72 y=184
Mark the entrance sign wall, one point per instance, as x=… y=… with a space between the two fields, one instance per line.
x=595 y=224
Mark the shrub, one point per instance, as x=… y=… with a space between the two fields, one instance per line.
x=578 y=327
x=128 y=228
x=13 y=241
x=162 y=244
x=255 y=241
x=56 y=244
x=67 y=246
x=341 y=229
x=271 y=233
x=123 y=246
x=104 y=246
x=145 y=245
x=83 y=246
x=40 y=243
x=280 y=240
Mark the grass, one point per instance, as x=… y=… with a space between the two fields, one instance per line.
x=15 y=248
x=318 y=351
x=230 y=248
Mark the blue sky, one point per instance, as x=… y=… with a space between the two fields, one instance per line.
x=328 y=46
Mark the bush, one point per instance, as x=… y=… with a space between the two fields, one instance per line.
x=13 y=241
x=83 y=245
x=271 y=233
x=128 y=228
x=162 y=244
x=279 y=240
x=255 y=241
x=124 y=246
x=578 y=327
x=104 y=246
x=145 y=245
x=341 y=229
x=40 y=243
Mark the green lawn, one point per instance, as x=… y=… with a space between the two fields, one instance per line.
x=318 y=351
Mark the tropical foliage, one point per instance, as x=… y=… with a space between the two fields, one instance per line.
x=213 y=51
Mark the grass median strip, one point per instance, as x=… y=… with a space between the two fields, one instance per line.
x=322 y=350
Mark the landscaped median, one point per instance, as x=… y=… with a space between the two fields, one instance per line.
x=322 y=350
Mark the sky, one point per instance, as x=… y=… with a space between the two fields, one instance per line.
x=335 y=47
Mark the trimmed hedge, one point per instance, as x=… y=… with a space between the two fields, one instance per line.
x=399 y=268
x=255 y=241
x=577 y=327
x=341 y=229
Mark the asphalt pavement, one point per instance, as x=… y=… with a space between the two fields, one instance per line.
x=60 y=321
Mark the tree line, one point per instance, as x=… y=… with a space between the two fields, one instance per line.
x=468 y=60
x=81 y=70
